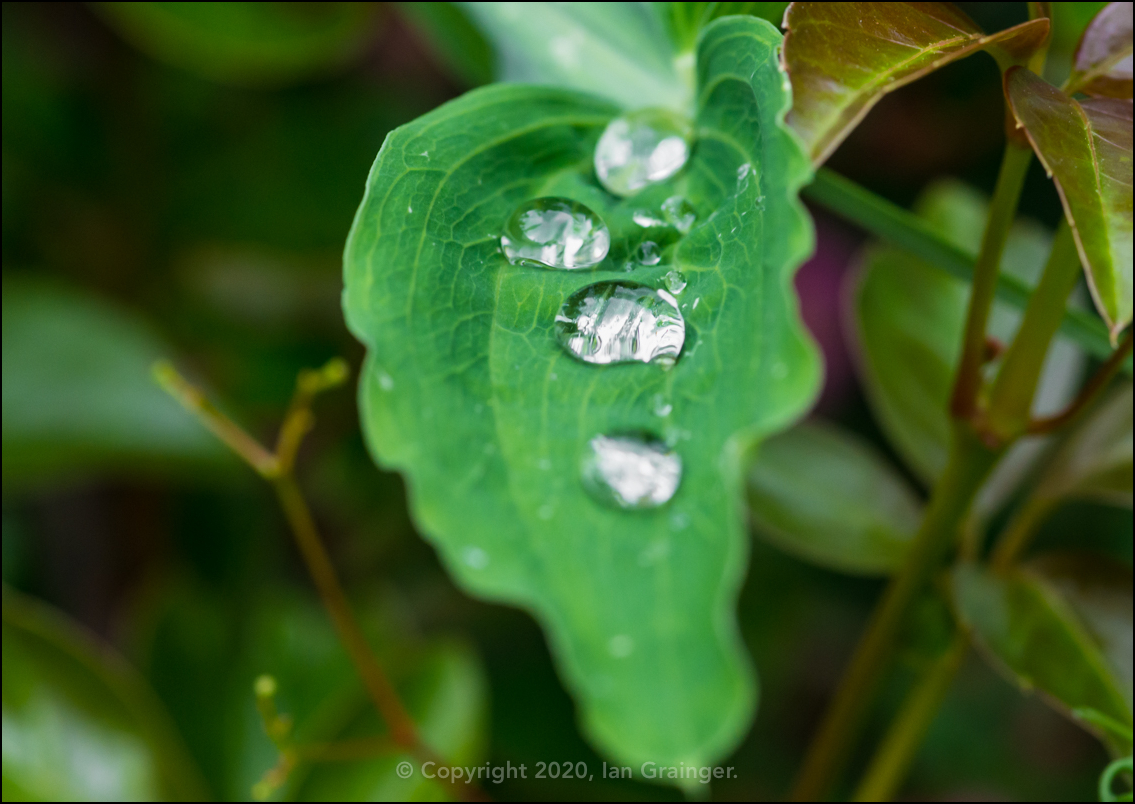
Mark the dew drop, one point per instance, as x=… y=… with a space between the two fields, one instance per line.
x=675 y=282
x=385 y=381
x=641 y=148
x=620 y=646
x=647 y=219
x=631 y=471
x=647 y=253
x=679 y=213
x=660 y=406
x=555 y=233
x=620 y=322
x=475 y=557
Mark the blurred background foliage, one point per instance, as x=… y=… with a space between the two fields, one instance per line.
x=178 y=180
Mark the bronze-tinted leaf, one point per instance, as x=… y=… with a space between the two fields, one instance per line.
x=1103 y=58
x=1086 y=147
x=843 y=57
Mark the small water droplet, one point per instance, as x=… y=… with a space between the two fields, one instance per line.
x=696 y=302
x=641 y=148
x=619 y=322
x=555 y=233
x=620 y=646
x=679 y=520
x=631 y=471
x=675 y=282
x=385 y=381
x=743 y=173
x=647 y=253
x=544 y=464
x=657 y=551
x=426 y=154
x=553 y=376
x=647 y=219
x=679 y=213
x=409 y=208
x=475 y=557
x=660 y=406
x=546 y=511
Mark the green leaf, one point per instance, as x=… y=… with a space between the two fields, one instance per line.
x=77 y=392
x=1096 y=461
x=684 y=21
x=1102 y=64
x=823 y=495
x=78 y=724
x=1061 y=625
x=246 y=44
x=467 y=391
x=843 y=57
x=616 y=50
x=908 y=327
x=1086 y=147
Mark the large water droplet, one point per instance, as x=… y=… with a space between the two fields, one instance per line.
x=555 y=233
x=641 y=148
x=679 y=213
x=631 y=471
x=619 y=322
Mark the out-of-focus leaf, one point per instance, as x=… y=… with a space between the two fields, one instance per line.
x=467 y=391
x=456 y=40
x=204 y=659
x=78 y=724
x=1096 y=461
x=1102 y=65
x=843 y=57
x=246 y=44
x=1061 y=625
x=825 y=496
x=77 y=392
x=1086 y=148
x=908 y=326
x=616 y=50
x=684 y=21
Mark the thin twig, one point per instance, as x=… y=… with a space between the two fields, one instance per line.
x=1088 y=393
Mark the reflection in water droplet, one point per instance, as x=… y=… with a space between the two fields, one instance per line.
x=660 y=406
x=679 y=213
x=675 y=282
x=648 y=253
x=619 y=322
x=555 y=233
x=641 y=148
x=647 y=219
x=631 y=471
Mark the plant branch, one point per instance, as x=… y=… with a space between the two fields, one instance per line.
x=903 y=229
x=892 y=758
x=986 y=269
x=1011 y=397
x=1088 y=393
x=969 y=463
x=1020 y=531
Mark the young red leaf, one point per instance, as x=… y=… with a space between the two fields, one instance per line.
x=843 y=57
x=1086 y=147
x=1103 y=58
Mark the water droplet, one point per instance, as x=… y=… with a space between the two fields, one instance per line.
x=620 y=646
x=545 y=464
x=679 y=520
x=647 y=219
x=647 y=253
x=641 y=148
x=618 y=322
x=546 y=511
x=475 y=557
x=409 y=208
x=696 y=302
x=660 y=406
x=385 y=381
x=679 y=213
x=657 y=551
x=555 y=233
x=675 y=282
x=631 y=471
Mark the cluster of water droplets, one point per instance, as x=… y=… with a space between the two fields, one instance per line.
x=621 y=321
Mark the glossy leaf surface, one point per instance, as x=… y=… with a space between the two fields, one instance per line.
x=908 y=322
x=1096 y=462
x=1102 y=65
x=77 y=391
x=1086 y=147
x=78 y=726
x=618 y=51
x=823 y=495
x=1061 y=625
x=843 y=57
x=247 y=44
x=467 y=391
x=684 y=21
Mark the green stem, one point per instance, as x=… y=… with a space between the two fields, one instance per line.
x=1088 y=393
x=892 y=758
x=986 y=269
x=1020 y=530
x=903 y=229
x=1011 y=397
x=969 y=463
